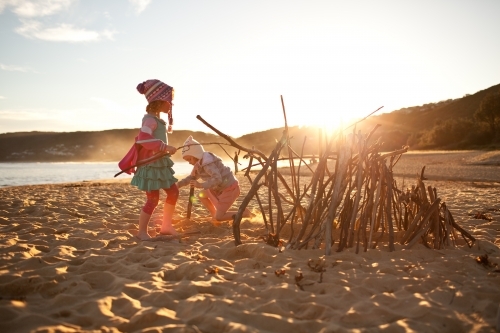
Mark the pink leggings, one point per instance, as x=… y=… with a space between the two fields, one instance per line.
x=154 y=196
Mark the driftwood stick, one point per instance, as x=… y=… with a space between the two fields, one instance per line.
x=382 y=210
x=434 y=220
x=297 y=205
x=359 y=182
x=421 y=188
x=247 y=175
x=345 y=217
x=297 y=183
x=238 y=216
x=247 y=171
x=420 y=232
x=393 y=153
x=297 y=157
x=379 y=217
x=413 y=225
x=358 y=121
x=305 y=221
x=314 y=192
x=277 y=199
x=451 y=234
x=297 y=191
x=396 y=204
x=231 y=141
x=370 y=201
x=376 y=203
x=360 y=228
x=321 y=200
x=388 y=176
x=290 y=158
x=301 y=211
x=157 y=156
x=464 y=233
x=270 y=198
x=190 y=202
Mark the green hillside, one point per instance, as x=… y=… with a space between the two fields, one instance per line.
x=420 y=118
x=398 y=127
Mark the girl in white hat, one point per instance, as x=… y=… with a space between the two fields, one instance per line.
x=220 y=188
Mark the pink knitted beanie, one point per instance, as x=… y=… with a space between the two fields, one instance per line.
x=155 y=90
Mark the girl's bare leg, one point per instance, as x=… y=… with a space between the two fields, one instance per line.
x=166 y=226
x=203 y=196
x=143 y=226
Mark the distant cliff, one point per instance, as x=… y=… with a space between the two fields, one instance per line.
x=418 y=126
x=110 y=145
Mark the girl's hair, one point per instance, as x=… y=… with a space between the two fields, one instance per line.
x=153 y=106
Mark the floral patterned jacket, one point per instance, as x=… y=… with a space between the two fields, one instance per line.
x=210 y=168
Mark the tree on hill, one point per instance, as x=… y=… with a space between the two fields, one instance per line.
x=489 y=111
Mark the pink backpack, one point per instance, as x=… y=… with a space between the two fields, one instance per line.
x=130 y=159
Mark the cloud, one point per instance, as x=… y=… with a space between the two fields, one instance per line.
x=35 y=8
x=29 y=11
x=62 y=32
x=12 y=68
x=2 y=97
x=140 y=5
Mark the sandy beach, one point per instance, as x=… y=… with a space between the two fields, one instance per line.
x=70 y=263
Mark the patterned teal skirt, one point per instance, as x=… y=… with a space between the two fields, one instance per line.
x=156 y=175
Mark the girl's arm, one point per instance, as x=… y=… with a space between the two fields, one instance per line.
x=184 y=182
x=148 y=141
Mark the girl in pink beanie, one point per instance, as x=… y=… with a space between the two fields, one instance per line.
x=220 y=188
x=152 y=140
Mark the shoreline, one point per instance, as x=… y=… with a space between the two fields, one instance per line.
x=465 y=166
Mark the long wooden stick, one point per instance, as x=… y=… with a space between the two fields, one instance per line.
x=160 y=155
x=190 y=202
x=144 y=162
x=230 y=140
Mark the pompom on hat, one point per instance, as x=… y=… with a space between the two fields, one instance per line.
x=192 y=148
x=155 y=90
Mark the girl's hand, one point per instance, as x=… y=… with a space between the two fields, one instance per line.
x=167 y=149
x=163 y=147
x=195 y=184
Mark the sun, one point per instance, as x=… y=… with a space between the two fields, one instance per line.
x=329 y=118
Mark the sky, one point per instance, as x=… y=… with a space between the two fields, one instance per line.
x=73 y=65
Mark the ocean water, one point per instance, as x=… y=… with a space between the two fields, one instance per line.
x=17 y=174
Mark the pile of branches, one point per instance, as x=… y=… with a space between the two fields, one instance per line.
x=351 y=198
